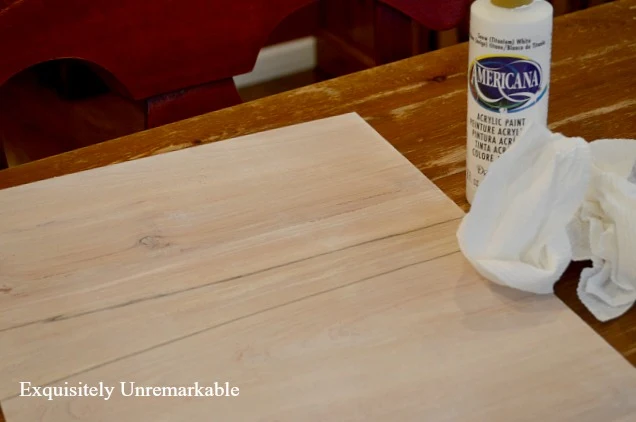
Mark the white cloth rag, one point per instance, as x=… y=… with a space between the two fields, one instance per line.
x=548 y=200
x=604 y=230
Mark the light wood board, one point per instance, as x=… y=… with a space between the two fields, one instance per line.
x=313 y=267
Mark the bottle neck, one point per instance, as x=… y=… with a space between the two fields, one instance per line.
x=511 y=4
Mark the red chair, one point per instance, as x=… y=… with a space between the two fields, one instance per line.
x=162 y=61
x=433 y=14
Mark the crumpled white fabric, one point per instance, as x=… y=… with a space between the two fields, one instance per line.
x=548 y=200
x=515 y=233
x=604 y=230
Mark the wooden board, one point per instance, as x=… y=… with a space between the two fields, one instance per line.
x=312 y=267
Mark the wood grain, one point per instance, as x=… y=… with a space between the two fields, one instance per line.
x=419 y=105
x=313 y=267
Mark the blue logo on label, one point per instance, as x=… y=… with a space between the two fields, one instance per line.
x=506 y=84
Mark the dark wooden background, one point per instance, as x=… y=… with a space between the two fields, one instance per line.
x=65 y=105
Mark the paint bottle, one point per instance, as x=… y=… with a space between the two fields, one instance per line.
x=508 y=78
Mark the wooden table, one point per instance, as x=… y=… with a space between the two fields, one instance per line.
x=419 y=105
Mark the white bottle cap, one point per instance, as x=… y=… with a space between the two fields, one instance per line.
x=511 y=4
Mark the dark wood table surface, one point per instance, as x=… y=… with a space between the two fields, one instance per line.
x=419 y=105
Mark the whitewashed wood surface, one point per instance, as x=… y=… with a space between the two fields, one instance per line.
x=312 y=267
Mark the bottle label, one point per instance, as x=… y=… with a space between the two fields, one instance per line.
x=506 y=83
x=508 y=86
